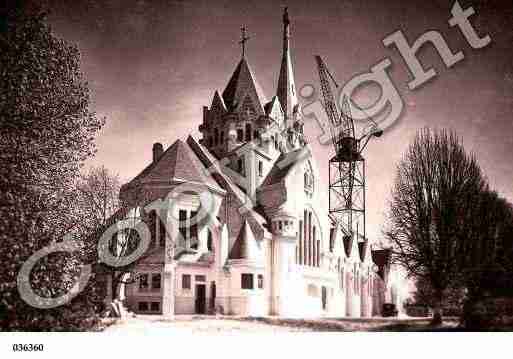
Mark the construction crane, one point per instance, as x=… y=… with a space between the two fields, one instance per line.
x=347 y=166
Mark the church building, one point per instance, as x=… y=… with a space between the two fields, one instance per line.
x=245 y=231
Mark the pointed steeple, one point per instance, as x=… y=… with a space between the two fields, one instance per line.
x=243 y=84
x=286 y=85
x=245 y=246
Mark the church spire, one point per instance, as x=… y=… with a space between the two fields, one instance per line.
x=286 y=86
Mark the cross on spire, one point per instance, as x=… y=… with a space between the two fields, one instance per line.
x=243 y=40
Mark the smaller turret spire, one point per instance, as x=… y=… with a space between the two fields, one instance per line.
x=244 y=39
x=286 y=30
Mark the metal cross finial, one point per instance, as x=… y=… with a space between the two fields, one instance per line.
x=243 y=40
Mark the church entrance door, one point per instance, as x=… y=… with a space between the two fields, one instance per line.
x=200 y=303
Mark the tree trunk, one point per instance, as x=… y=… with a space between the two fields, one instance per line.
x=437 y=309
x=114 y=286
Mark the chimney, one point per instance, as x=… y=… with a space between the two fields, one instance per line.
x=158 y=150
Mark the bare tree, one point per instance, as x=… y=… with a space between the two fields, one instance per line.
x=98 y=196
x=437 y=186
x=130 y=212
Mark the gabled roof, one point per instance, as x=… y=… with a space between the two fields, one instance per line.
x=245 y=246
x=242 y=84
x=177 y=163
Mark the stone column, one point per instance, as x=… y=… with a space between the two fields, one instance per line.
x=168 y=290
x=169 y=270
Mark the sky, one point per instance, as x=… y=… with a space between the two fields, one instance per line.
x=152 y=65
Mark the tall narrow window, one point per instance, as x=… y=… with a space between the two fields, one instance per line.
x=216 y=136
x=255 y=134
x=143 y=283
x=318 y=253
x=342 y=278
x=240 y=166
x=193 y=228
x=240 y=135
x=301 y=242
x=310 y=242
x=260 y=281
x=246 y=281
x=315 y=247
x=155 y=282
x=260 y=169
x=153 y=228
x=210 y=245
x=305 y=240
x=248 y=132
x=222 y=137
x=186 y=281
x=162 y=229
x=182 y=217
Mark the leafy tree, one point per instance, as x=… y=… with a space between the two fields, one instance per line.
x=436 y=188
x=47 y=130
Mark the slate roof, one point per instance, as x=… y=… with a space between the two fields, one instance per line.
x=241 y=83
x=177 y=163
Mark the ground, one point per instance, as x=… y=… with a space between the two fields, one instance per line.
x=145 y=323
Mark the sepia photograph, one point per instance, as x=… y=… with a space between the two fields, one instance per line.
x=181 y=169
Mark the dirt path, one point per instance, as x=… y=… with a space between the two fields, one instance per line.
x=147 y=324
